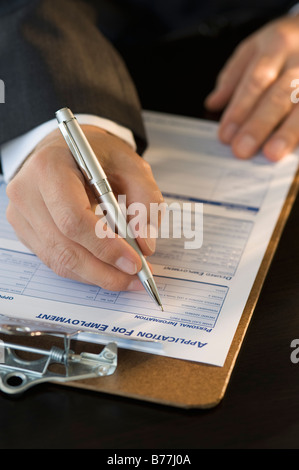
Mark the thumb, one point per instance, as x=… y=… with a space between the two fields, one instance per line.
x=145 y=206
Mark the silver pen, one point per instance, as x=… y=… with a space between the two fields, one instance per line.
x=97 y=179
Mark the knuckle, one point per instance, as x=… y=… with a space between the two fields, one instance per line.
x=64 y=258
x=69 y=223
x=257 y=128
x=108 y=283
x=265 y=75
x=283 y=38
x=39 y=159
x=279 y=96
x=290 y=74
x=12 y=219
x=146 y=166
x=38 y=162
x=13 y=190
x=10 y=215
x=254 y=85
x=112 y=282
x=44 y=161
x=157 y=197
x=106 y=249
x=23 y=180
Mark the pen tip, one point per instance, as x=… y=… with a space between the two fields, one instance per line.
x=162 y=308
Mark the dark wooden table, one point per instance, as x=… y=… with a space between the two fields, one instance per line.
x=260 y=408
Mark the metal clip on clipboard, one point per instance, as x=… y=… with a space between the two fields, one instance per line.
x=17 y=374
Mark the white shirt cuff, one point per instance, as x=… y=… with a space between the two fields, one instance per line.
x=14 y=152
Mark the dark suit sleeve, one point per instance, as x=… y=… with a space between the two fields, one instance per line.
x=53 y=55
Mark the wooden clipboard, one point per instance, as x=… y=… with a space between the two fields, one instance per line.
x=179 y=383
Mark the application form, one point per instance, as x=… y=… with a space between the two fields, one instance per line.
x=203 y=290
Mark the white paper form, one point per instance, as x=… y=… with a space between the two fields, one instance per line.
x=203 y=291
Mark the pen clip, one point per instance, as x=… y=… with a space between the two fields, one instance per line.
x=75 y=150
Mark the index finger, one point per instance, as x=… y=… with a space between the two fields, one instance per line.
x=69 y=206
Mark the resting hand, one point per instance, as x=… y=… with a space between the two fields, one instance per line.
x=255 y=87
x=52 y=210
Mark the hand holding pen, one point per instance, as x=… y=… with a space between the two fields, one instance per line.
x=97 y=180
x=51 y=210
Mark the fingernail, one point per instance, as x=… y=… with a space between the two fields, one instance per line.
x=150 y=236
x=246 y=146
x=276 y=148
x=229 y=131
x=126 y=265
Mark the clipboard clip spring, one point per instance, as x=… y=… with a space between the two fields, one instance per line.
x=18 y=374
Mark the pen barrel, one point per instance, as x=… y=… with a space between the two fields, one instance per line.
x=118 y=223
x=79 y=146
x=94 y=171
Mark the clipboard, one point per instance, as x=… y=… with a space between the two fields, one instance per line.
x=167 y=381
